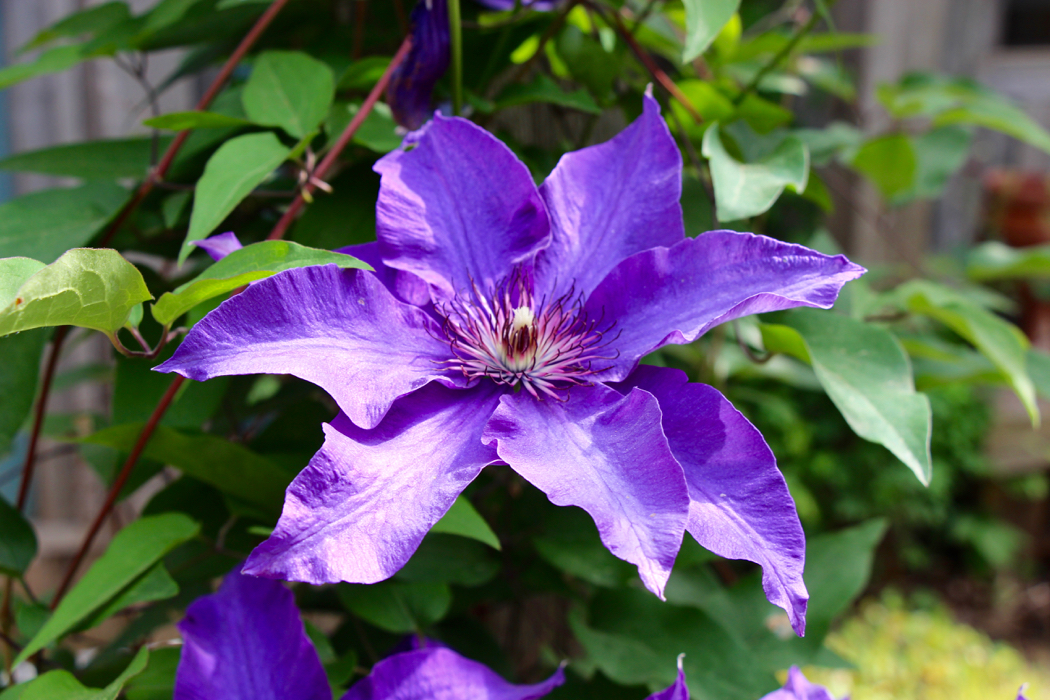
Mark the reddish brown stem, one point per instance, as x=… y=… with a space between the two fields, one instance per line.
x=158 y=173
x=118 y=484
x=38 y=418
x=654 y=70
x=344 y=139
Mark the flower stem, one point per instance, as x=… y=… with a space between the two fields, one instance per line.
x=456 y=35
x=781 y=55
x=344 y=139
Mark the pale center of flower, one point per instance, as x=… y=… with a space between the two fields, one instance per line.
x=514 y=339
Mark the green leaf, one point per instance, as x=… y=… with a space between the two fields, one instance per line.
x=889 y=162
x=43 y=225
x=107 y=159
x=290 y=90
x=133 y=551
x=19 y=369
x=157 y=682
x=14 y=272
x=743 y=190
x=181 y=121
x=155 y=584
x=231 y=468
x=397 y=607
x=633 y=636
x=704 y=19
x=450 y=559
x=939 y=154
x=999 y=341
x=464 y=520
x=868 y=377
x=378 y=132
x=63 y=685
x=961 y=101
x=91 y=20
x=253 y=262
x=545 y=90
x=570 y=543
x=362 y=75
x=53 y=60
x=829 y=143
x=238 y=167
x=17 y=541
x=85 y=287
x=995 y=261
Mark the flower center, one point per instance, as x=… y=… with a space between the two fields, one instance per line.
x=515 y=339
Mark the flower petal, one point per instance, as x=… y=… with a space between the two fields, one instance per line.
x=674 y=295
x=610 y=201
x=340 y=329
x=677 y=690
x=457 y=208
x=798 y=687
x=442 y=674
x=412 y=82
x=220 y=245
x=246 y=642
x=404 y=285
x=606 y=454
x=739 y=503
x=363 y=504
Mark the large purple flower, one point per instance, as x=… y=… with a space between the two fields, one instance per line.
x=246 y=642
x=504 y=324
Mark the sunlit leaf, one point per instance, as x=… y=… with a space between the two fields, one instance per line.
x=43 y=225
x=253 y=262
x=464 y=520
x=85 y=287
x=290 y=90
x=704 y=19
x=238 y=167
x=743 y=190
x=133 y=552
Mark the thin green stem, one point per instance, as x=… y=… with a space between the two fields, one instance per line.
x=456 y=34
x=814 y=19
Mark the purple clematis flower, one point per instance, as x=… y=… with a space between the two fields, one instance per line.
x=504 y=324
x=798 y=687
x=1021 y=692
x=246 y=642
x=220 y=245
x=412 y=82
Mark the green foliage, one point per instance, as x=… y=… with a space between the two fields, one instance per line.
x=900 y=650
x=253 y=262
x=130 y=555
x=238 y=167
x=111 y=159
x=17 y=541
x=20 y=358
x=743 y=190
x=43 y=225
x=463 y=519
x=62 y=684
x=890 y=163
x=88 y=288
x=867 y=375
x=290 y=90
x=704 y=19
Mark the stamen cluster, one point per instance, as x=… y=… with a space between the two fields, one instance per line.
x=515 y=339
